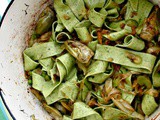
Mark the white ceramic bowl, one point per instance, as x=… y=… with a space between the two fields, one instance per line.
x=13 y=34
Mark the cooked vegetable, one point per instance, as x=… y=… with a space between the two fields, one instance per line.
x=45 y=21
x=155 y=50
x=156 y=75
x=53 y=112
x=96 y=59
x=80 y=51
x=45 y=37
x=150 y=29
x=30 y=82
x=144 y=80
x=38 y=95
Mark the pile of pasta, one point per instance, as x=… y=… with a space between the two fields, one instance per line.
x=96 y=59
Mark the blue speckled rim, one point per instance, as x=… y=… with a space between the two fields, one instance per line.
x=3 y=105
x=6 y=12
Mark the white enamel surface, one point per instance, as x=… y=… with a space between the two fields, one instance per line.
x=12 y=43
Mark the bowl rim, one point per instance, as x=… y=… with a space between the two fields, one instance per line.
x=1 y=92
x=5 y=12
x=6 y=106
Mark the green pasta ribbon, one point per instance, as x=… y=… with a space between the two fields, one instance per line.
x=92 y=45
x=148 y=104
x=66 y=15
x=112 y=13
x=114 y=36
x=67 y=90
x=136 y=61
x=81 y=110
x=94 y=34
x=62 y=37
x=94 y=3
x=43 y=50
x=110 y=113
x=110 y=4
x=60 y=27
x=141 y=8
x=39 y=83
x=128 y=96
x=57 y=34
x=47 y=64
x=96 y=17
x=156 y=75
x=119 y=1
x=78 y=8
x=97 y=72
x=66 y=117
x=29 y=64
x=68 y=61
x=83 y=32
x=54 y=31
x=134 y=4
x=114 y=26
x=114 y=114
x=64 y=66
x=133 y=43
x=39 y=52
x=54 y=96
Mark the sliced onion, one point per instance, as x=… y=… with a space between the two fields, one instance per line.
x=80 y=51
x=123 y=105
x=53 y=112
x=114 y=92
x=89 y=95
x=66 y=106
x=152 y=92
x=108 y=86
x=155 y=50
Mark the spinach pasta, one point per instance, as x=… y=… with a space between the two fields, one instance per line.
x=96 y=59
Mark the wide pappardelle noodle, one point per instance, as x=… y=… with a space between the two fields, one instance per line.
x=96 y=59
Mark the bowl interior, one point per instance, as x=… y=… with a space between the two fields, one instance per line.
x=13 y=34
